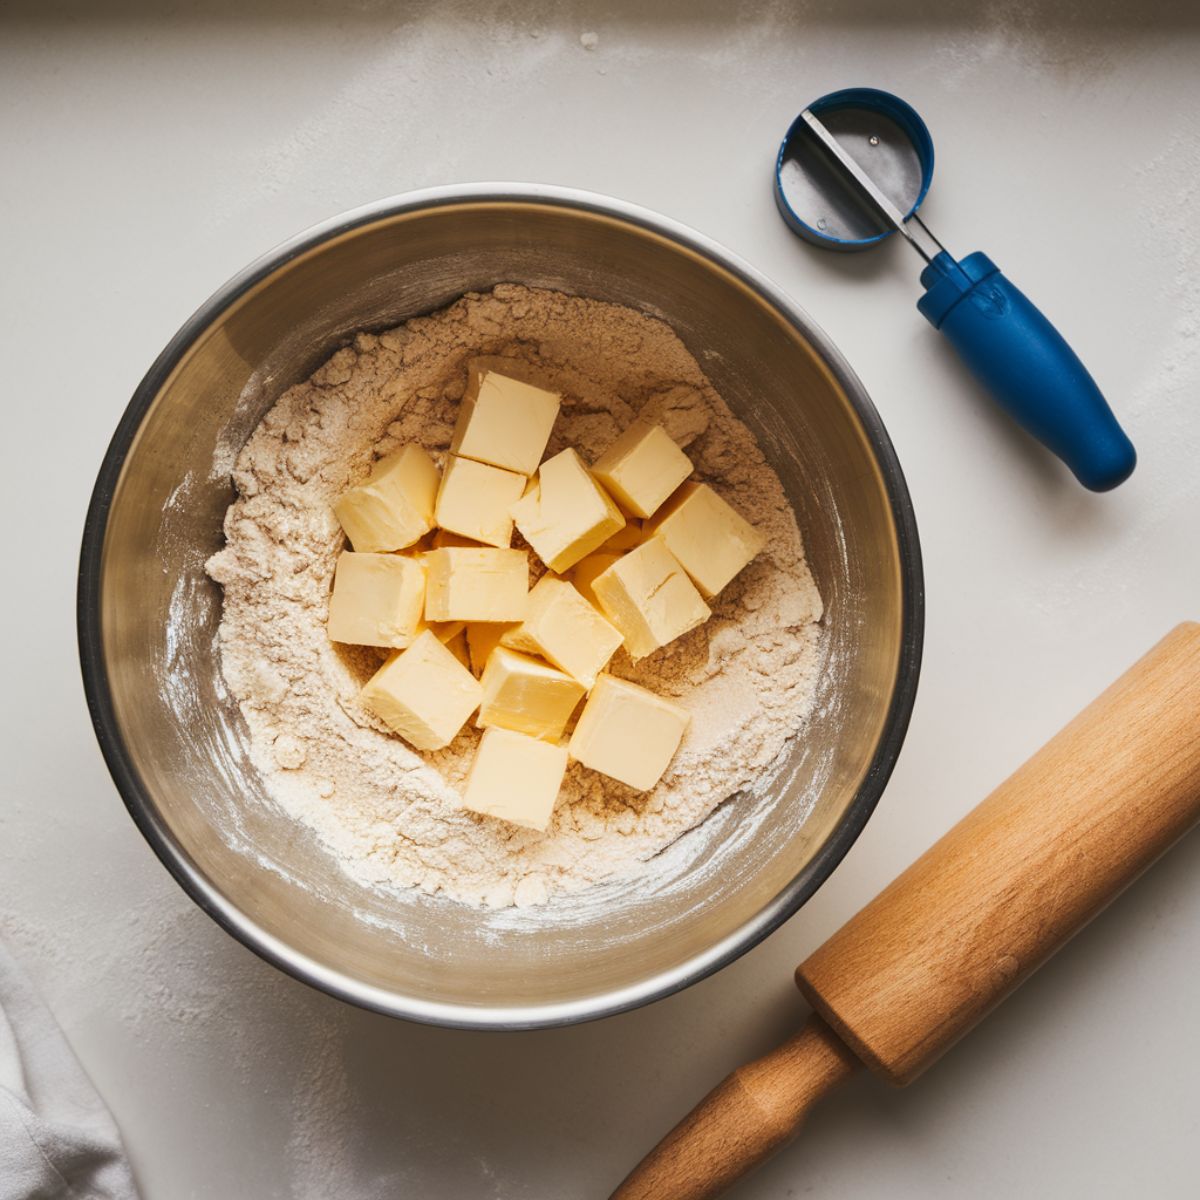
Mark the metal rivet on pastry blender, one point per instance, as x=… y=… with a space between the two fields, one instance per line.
x=853 y=169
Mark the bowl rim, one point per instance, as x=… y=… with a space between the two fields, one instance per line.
x=207 y=895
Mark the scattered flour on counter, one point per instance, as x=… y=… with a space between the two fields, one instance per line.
x=390 y=814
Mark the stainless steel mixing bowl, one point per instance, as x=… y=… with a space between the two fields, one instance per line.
x=173 y=737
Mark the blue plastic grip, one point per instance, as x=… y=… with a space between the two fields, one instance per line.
x=1027 y=366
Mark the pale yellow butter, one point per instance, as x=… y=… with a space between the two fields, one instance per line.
x=624 y=539
x=711 y=540
x=394 y=507
x=457 y=645
x=516 y=778
x=463 y=584
x=377 y=599
x=482 y=638
x=628 y=733
x=566 y=514
x=474 y=501
x=526 y=694
x=424 y=693
x=443 y=537
x=648 y=596
x=586 y=570
x=642 y=468
x=563 y=627
x=504 y=422
x=515 y=638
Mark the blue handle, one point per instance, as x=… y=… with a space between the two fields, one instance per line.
x=1027 y=366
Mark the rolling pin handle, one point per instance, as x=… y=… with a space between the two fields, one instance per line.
x=744 y=1120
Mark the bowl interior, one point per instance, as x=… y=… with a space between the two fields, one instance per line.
x=176 y=741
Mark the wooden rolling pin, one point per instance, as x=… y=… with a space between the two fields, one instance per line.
x=931 y=955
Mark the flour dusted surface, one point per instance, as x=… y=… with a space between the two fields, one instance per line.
x=391 y=815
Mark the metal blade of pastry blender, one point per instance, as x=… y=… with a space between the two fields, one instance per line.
x=890 y=213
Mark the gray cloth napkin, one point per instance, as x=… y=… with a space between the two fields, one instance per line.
x=57 y=1139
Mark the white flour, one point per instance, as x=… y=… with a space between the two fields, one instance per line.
x=391 y=814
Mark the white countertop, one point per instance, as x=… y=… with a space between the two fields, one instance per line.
x=151 y=149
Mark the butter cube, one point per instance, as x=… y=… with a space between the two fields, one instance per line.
x=474 y=500
x=504 y=422
x=457 y=645
x=446 y=631
x=712 y=541
x=424 y=693
x=642 y=468
x=527 y=695
x=441 y=538
x=515 y=638
x=649 y=598
x=482 y=638
x=516 y=778
x=464 y=584
x=394 y=508
x=585 y=572
x=628 y=733
x=565 y=514
x=563 y=627
x=377 y=599
x=624 y=539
